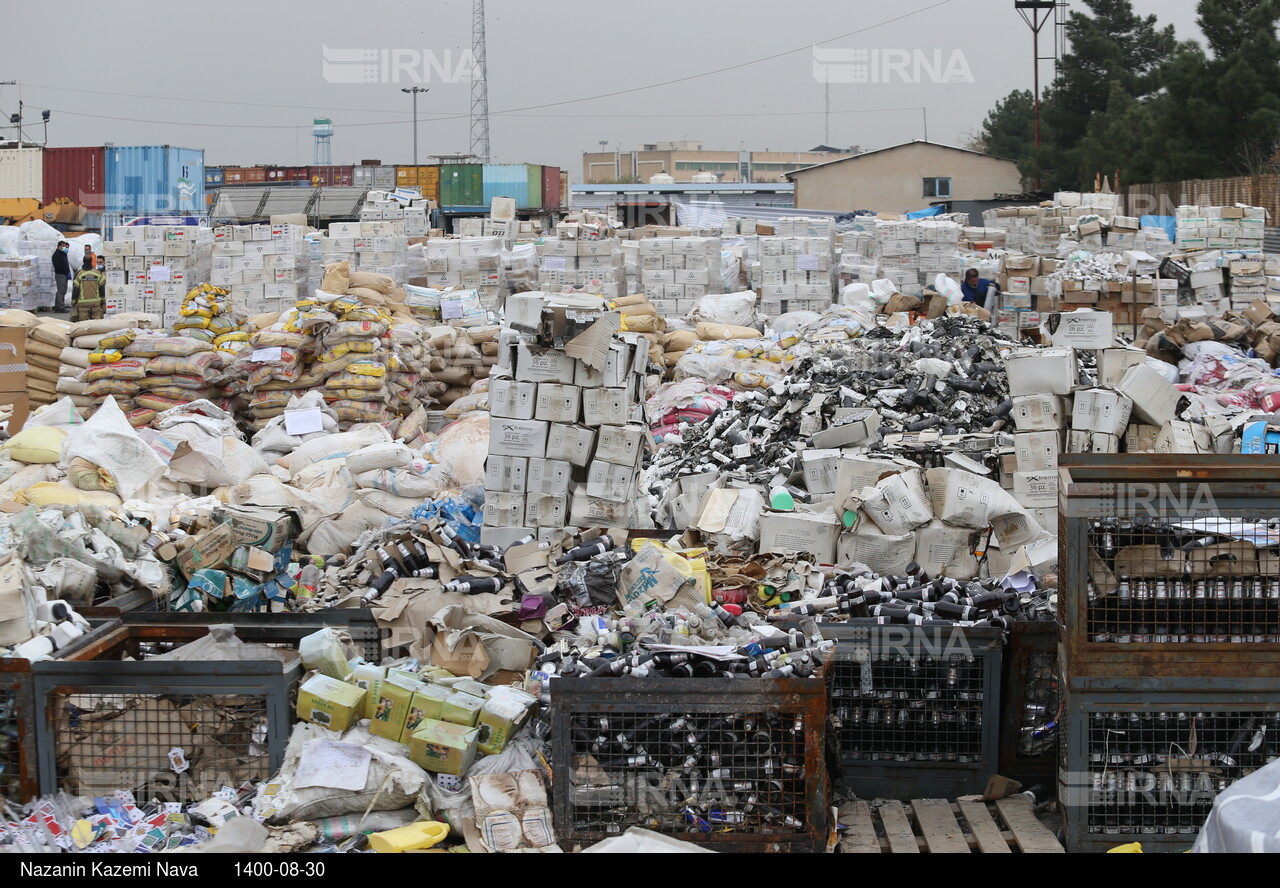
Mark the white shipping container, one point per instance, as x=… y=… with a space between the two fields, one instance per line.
x=22 y=172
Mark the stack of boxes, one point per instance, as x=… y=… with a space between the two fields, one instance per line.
x=470 y=263
x=1248 y=278
x=150 y=268
x=1131 y=409
x=38 y=243
x=265 y=267
x=796 y=274
x=565 y=439
x=1220 y=228
x=378 y=247
x=590 y=265
x=675 y=272
x=20 y=282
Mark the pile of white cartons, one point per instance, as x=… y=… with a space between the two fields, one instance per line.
x=384 y=207
x=566 y=439
x=795 y=274
x=594 y=266
x=20 y=282
x=266 y=267
x=675 y=272
x=150 y=268
x=1247 y=272
x=1220 y=228
x=467 y=263
x=378 y=247
x=1015 y=222
x=1132 y=408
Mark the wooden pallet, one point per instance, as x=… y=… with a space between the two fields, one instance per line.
x=937 y=826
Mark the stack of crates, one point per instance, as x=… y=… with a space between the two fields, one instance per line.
x=1170 y=648
x=914 y=709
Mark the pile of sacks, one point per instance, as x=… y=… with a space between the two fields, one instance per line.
x=101 y=342
x=46 y=338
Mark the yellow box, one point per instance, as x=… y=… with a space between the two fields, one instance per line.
x=426 y=704
x=461 y=709
x=443 y=747
x=367 y=676
x=330 y=703
x=498 y=720
x=391 y=707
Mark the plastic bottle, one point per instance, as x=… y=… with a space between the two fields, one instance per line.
x=414 y=837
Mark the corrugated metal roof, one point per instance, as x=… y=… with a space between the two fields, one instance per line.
x=709 y=214
x=246 y=202
x=721 y=188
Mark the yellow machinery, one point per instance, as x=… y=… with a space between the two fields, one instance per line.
x=63 y=211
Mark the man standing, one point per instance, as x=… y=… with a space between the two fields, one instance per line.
x=88 y=305
x=61 y=274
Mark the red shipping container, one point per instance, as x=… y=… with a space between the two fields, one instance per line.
x=551 y=195
x=331 y=175
x=76 y=173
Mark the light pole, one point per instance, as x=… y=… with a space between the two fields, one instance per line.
x=414 y=90
x=44 y=116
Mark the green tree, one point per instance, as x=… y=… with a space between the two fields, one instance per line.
x=1117 y=140
x=1219 y=112
x=1009 y=130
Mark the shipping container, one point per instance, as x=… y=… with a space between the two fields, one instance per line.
x=244 y=175
x=331 y=175
x=22 y=172
x=506 y=180
x=535 y=185
x=425 y=178
x=154 y=179
x=276 y=175
x=213 y=177
x=374 y=176
x=78 y=174
x=551 y=193
x=462 y=185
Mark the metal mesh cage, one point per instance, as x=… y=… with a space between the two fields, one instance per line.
x=1149 y=770
x=17 y=742
x=1037 y=730
x=730 y=765
x=915 y=710
x=276 y=630
x=1194 y=582
x=169 y=731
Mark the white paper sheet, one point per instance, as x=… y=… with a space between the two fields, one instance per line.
x=303 y=422
x=333 y=764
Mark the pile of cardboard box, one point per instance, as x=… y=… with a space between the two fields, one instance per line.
x=266 y=267
x=378 y=247
x=675 y=272
x=466 y=263
x=794 y=274
x=1220 y=228
x=20 y=280
x=589 y=265
x=566 y=421
x=151 y=267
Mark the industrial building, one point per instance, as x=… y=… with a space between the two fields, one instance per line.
x=690 y=162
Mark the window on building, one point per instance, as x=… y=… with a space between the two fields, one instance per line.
x=938 y=186
x=705 y=166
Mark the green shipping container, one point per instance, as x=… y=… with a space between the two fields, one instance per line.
x=535 y=185
x=462 y=185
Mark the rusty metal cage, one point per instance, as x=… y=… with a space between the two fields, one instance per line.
x=915 y=709
x=1170 y=566
x=732 y=765
x=1146 y=766
x=1031 y=703
x=172 y=731
x=276 y=630
x=18 y=781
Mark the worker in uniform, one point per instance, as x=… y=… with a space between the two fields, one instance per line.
x=61 y=274
x=87 y=304
x=979 y=290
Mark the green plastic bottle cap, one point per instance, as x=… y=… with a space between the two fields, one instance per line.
x=782 y=501
x=850 y=519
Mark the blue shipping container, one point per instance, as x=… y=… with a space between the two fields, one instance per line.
x=506 y=180
x=213 y=177
x=154 y=179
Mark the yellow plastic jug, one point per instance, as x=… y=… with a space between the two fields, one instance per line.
x=414 y=837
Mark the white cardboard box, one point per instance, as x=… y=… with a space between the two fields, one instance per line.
x=1037 y=451
x=571 y=443
x=1101 y=410
x=1050 y=371
x=551 y=476
x=796 y=532
x=1155 y=401
x=1036 y=489
x=509 y=399
x=1085 y=329
x=514 y=437
x=1038 y=413
x=558 y=403
x=506 y=474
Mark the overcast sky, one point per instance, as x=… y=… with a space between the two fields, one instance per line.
x=243 y=79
